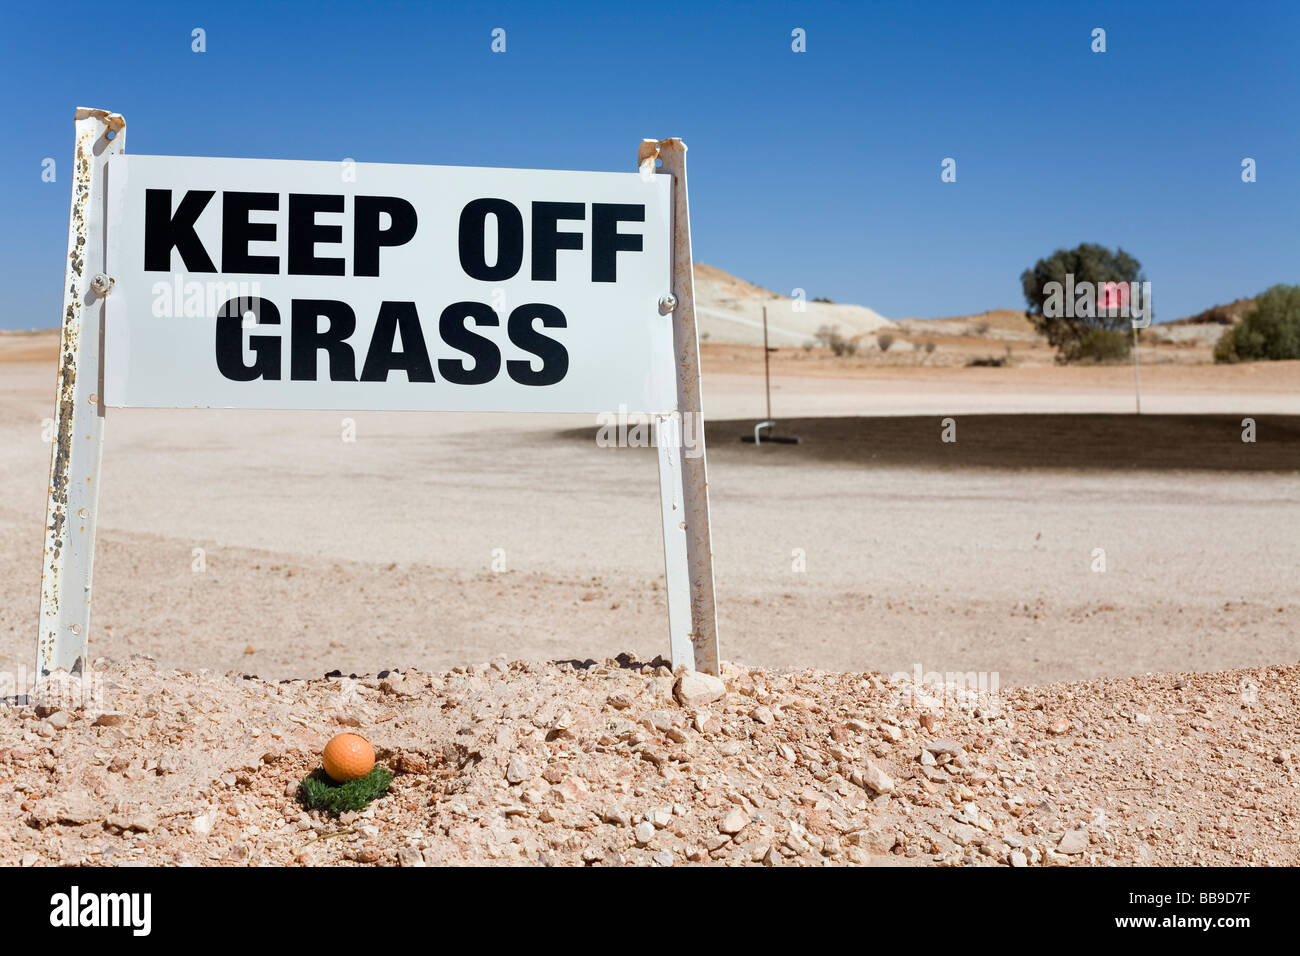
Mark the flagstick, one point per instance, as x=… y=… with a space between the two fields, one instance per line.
x=767 y=374
x=1137 y=377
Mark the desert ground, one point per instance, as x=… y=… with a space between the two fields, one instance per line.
x=615 y=762
x=264 y=543
x=241 y=549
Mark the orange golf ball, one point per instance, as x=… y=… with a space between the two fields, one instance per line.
x=348 y=757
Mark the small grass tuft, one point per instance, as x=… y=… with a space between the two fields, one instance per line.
x=319 y=792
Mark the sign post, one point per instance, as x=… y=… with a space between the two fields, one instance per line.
x=241 y=283
x=73 y=498
x=684 y=478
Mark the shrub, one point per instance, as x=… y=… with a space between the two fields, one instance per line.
x=1270 y=331
x=1100 y=347
x=829 y=336
x=885 y=341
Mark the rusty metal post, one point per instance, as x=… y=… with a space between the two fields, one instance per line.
x=79 y=413
x=683 y=475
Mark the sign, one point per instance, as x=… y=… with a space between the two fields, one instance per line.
x=241 y=283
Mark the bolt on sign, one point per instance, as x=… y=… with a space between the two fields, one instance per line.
x=272 y=284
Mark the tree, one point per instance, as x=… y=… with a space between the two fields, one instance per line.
x=1078 y=328
x=1269 y=331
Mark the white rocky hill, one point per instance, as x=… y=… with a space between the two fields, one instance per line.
x=730 y=310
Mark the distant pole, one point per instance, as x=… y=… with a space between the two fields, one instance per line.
x=767 y=367
x=1137 y=376
x=757 y=437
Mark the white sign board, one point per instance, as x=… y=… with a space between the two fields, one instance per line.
x=248 y=283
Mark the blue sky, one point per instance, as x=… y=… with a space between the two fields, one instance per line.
x=818 y=170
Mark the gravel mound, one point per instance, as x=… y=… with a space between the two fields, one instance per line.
x=621 y=762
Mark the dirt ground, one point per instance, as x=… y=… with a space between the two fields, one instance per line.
x=1066 y=637
x=264 y=543
x=612 y=763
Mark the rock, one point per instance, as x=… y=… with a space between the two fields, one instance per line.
x=733 y=821
x=943 y=746
x=616 y=816
x=517 y=770
x=396 y=686
x=139 y=822
x=877 y=780
x=1073 y=843
x=1018 y=859
x=410 y=856
x=170 y=763
x=695 y=689
x=663 y=858
x=644 y=832
x=70 y=811
x=873 y=840
x=79 y=812
x=59 y=720
x=660 y=720
x=927 y=759
x=1058 y=727
x=573 y=790
x=406 y=762
x=762 y=715
x=891 y=733
x=961 y=834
